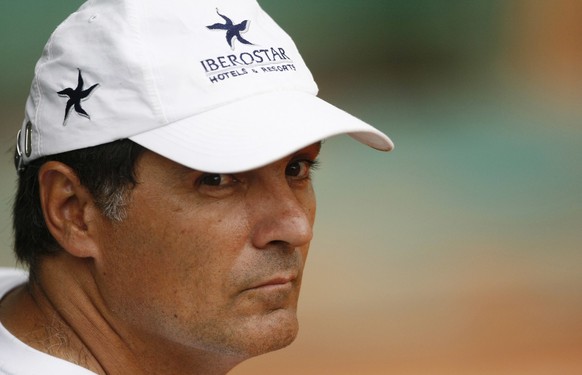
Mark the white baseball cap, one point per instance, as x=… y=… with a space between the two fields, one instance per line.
x=216 y=86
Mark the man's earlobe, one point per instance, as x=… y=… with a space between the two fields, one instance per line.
x=68 y=209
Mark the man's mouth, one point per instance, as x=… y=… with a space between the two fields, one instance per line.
x=274 y=283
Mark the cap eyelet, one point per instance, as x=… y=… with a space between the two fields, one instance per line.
x=18 y=154
x=28 y=139
x=18 y=157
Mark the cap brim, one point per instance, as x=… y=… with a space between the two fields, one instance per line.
x=256 y=131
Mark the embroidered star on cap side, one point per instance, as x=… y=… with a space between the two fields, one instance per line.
x=76 y=96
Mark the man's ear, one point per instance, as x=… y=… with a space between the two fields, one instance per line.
x=69 y=209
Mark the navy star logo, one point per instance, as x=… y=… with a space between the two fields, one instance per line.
x=232 y=30
x=75 y=96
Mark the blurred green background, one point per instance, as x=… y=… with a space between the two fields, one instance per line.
x=461 y=251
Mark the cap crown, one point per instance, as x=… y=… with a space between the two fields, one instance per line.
x=118 y=68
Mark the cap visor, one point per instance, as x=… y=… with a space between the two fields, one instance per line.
x=255 y=131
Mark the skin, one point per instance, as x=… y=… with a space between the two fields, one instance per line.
x=203 y=273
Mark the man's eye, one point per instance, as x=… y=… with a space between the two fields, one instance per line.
x=215 y=179
x=300 y=169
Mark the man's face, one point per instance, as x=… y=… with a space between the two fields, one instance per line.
x=207 y=261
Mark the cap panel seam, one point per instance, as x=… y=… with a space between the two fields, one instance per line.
x=38 y=89
x=153 y=94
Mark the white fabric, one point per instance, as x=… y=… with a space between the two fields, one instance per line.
x=175 y=75
x=17 y=358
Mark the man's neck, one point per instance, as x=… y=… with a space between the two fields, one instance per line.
x=73 y=327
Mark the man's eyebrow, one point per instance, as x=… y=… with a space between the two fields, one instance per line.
x=183 y=170
x=180 y=171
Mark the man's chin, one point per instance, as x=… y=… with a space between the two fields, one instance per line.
x=271 y=332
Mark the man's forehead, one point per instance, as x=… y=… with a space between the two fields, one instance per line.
x=179 y=170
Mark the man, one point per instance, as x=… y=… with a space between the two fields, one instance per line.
x=165 y=205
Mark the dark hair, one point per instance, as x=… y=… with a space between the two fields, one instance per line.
x=107 y=171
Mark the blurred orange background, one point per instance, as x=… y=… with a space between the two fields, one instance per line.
x=461 y=251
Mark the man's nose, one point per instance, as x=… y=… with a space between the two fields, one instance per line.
x=283 y=216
